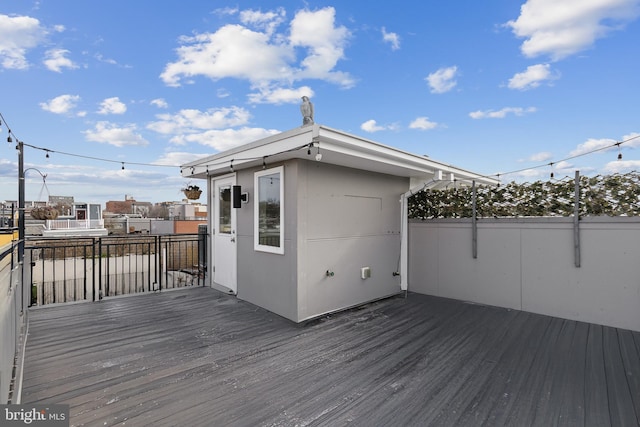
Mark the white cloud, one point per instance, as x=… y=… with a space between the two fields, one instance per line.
x=442 y=80
x=260 y=54
x=621 y=166
x=501 y=114
x=62 y=104
x=159 y=102
x=543 y=156
x=593 y=144
x=559 y=170
x=225 y=139
x=532 y=77
x=112 y=106
x=563 y=166
x=268 y=95
x=177 y=158
x=316 y=31
x=632 y=140
x=56 y=60
x=101 y=58
x=192 y=121
x=213 y=128
x=119 y=136
x=267 y=21
x=225 y=11
x=423 y=123
x=562 y=28
x=232 y=51
x=391 y=38
x=371 y=126
x=18 y=34
x=606 y=144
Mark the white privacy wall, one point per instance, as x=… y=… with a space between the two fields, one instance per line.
x=528 y=264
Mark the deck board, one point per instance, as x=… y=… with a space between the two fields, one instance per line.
x=199 y=357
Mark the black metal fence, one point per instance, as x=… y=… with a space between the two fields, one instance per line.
x=91 y=268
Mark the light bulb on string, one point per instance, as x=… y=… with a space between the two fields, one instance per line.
x=619 y=152
x=122 y=165
x=264 y=162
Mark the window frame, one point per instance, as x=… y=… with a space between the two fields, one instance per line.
x=256 y=211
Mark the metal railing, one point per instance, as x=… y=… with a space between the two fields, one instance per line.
x=92 y=268
x=65 y=224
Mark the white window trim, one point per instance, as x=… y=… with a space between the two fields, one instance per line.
x=256 y=212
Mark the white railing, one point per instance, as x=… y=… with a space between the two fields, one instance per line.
x=13 y=303
x=66 y=224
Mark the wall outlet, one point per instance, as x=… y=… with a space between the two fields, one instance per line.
x=365 y=272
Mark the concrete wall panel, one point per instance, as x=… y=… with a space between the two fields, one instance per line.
x=530 y=265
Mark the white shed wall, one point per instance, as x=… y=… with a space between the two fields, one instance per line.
x=528 y=265
x=347 y=219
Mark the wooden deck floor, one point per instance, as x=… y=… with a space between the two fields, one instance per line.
x=201 y=358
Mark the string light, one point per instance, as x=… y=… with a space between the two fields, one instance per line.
x=231 y=165
x=619 y=152
x=264 y=162
x=11 y=136
x=570 y=157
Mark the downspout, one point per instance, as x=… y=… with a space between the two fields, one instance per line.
x=404 y=242
x=404 y=227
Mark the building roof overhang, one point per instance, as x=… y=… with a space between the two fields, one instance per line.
x=336 y=148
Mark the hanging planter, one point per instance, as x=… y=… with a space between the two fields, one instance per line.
x=192 y=192
x=44 y=212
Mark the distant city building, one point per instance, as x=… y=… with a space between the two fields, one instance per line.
x=128 y=206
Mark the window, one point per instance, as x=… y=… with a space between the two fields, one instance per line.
x=224 y=216
x=269 y=210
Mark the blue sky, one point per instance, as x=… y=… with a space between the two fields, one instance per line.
x=492 y=86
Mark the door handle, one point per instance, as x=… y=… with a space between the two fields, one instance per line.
x=233 y=239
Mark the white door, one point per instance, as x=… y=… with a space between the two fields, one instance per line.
x=224 y=253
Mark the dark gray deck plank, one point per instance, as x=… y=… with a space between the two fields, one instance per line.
x=621 y=406
x=198 y=357
x=630 y=356
x=596 y=394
